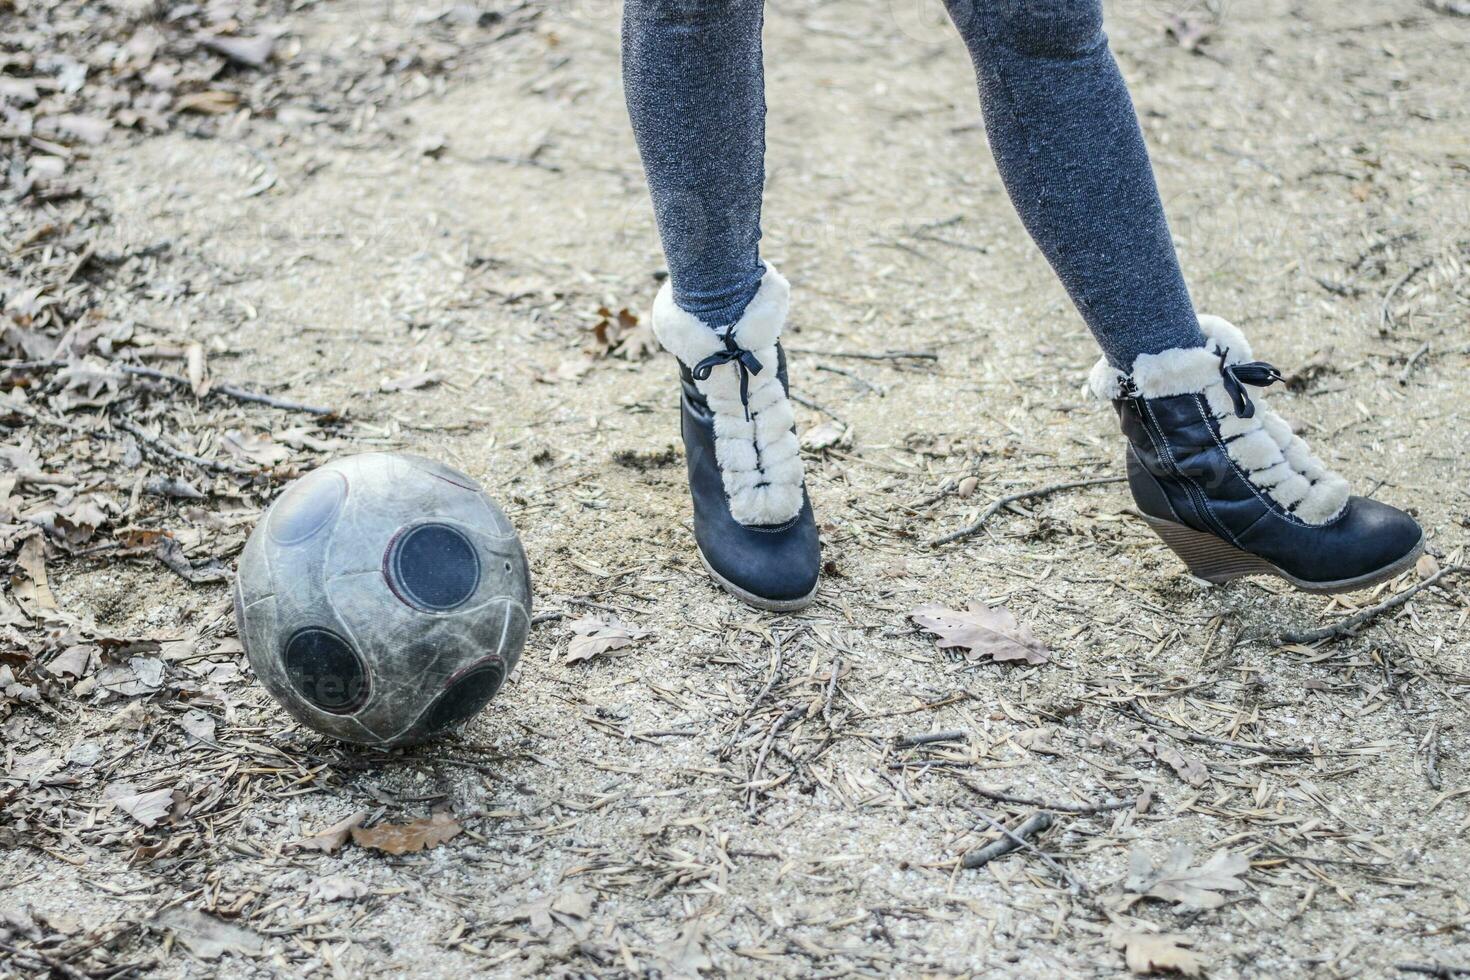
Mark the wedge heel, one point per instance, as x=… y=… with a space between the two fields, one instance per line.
x=1217 y=561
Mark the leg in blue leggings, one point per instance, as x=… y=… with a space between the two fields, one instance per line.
x=1057 y=113
x=695 y=87
x=1067 y=143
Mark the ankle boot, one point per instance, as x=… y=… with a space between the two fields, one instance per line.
x=753 y=521
x=1222 y=479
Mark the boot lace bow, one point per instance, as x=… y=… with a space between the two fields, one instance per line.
x=745 y=362
x=1257 y=374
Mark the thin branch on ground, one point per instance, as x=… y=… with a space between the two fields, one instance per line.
x=760 y=760
x=227 y=390
x=1413 y=360
x=50 y=962
x=856 y=378
x=1036 y=824
x=816 y=408
x=1006 y=501
x=1153 y=720
x=1434 y=969
x=128 y=425
x=1350 y=625
x=1431 y=758
x=1078 y=885
x=1385 y=312
x=909 y=741
x=1078 y=808
x=831 y=690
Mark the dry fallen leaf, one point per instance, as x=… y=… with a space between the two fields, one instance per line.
x=196 y=370
x=1175 y=881
x=32 y=561
x=983 y=632
x=212 y=102
x=252 y=51
x=638 y=344
x=330 y=840
x=146 y=808
x=336 y=888
x=73 y=660
x=684 y=955
x=825 y=435
x=404 y=838
x=1188 y=768
x=255 y=447
x=198 y=724
x=207 y=937
x=571 y=369
x=596 y=636
x=409 y=382
x=609 y=331
x=1149 y=953
x=171 y=553
x=1188 y=33
x=572 y=909
x=87 y=129
x=301 y=437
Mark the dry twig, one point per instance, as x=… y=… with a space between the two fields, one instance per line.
x=1153 y=720
x=1349 y=626
x=1385 y=312
x=128 y=425
x=1078 y=808
x=142 y=371
x=908 y=741
x=1034 y=825
x=1079 y=886
x=1006 y=501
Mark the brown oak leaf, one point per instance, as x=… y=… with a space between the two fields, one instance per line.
x=1146 y=953
x=330 y=840
x=404 y=838
x=1175 y=881
x=983 y=632
x=1188 y=768
x=595 y=636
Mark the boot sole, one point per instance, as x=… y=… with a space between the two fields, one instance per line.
x=1215 y=560
x=750 y=598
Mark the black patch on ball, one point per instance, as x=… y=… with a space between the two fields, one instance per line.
x=325 y=669
x=463 y=698
x=432 y=566
x=307 y=506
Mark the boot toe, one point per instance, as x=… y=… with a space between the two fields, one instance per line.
x=771 y=567
x=1375 y=536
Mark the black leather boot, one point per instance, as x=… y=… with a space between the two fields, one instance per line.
x=1222 y=479
x=753 y=521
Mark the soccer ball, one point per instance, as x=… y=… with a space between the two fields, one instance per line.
x=383 y=599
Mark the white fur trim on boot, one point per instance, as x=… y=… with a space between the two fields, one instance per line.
x=1262 y=447
x=759 y=459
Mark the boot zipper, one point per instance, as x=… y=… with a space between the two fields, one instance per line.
x=1196 y=495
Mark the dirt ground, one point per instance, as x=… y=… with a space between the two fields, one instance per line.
x=732 y=794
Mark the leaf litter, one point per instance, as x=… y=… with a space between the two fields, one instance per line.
x=738 y=793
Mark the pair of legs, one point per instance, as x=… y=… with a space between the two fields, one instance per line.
x=1060 y=122
x=1219 y=476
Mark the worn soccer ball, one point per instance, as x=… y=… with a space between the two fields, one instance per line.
x=383 y=599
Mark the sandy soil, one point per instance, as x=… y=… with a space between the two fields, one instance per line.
x=667 y=800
